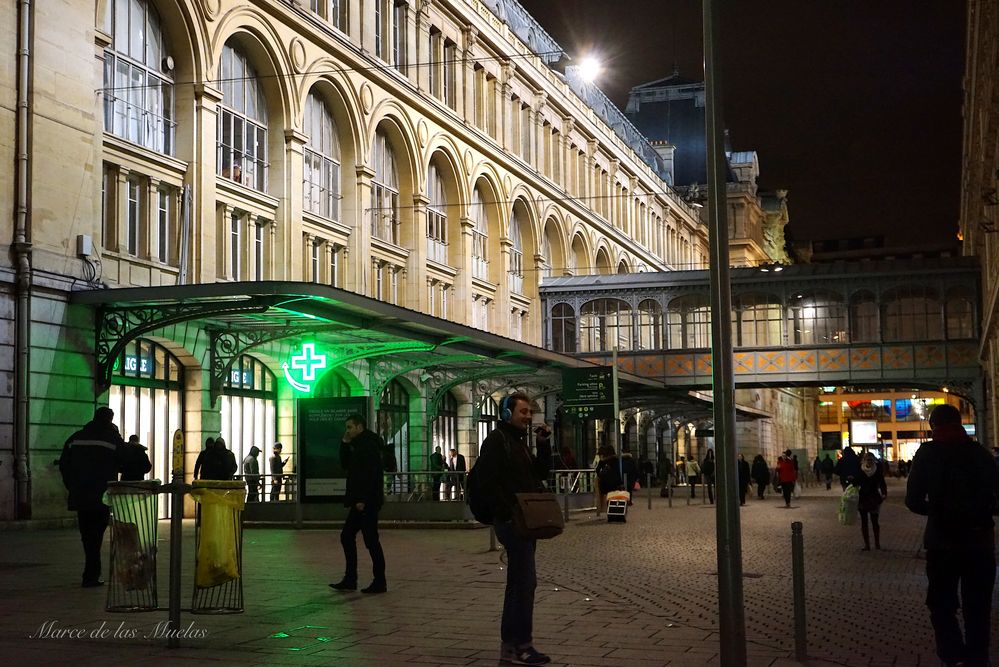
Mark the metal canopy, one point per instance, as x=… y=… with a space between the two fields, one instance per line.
x=241 y=315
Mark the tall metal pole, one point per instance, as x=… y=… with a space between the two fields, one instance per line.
x=731 y=616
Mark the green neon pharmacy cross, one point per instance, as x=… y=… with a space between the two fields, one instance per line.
x=308 y=362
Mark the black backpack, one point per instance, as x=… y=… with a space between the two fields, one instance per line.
x=965 y=497
x=475 y=497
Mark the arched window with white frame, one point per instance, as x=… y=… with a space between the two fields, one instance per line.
x=480 y=236
x=138 y=77
x=384 y=191
x=516 y=271
x=436 y=217
x=321 y=157
x=242 y=122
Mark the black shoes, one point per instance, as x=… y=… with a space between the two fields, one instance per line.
x=344 y=585
x=92 y=583
x=376 y=587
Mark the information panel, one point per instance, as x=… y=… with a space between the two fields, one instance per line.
x=588 y=393
x=320 y=431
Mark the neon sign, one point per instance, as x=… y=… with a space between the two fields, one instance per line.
x=306 y=363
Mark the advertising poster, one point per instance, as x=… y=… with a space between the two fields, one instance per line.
x=320 y=431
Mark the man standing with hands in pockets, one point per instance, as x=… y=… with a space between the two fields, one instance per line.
x=361 y=458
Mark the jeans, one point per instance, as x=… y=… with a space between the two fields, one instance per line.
x=366 y=523
x=92 y=524
x=517 y=626
x=974 y=571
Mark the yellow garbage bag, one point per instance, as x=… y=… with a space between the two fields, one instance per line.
x=221 y=506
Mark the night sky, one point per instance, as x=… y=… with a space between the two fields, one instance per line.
x=854 y=106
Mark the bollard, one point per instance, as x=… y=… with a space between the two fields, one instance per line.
x=798 y=579
x=565 y=499
x=648 y=485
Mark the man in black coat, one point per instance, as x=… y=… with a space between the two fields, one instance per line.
x=90 y=459
x=508 y=467
x=456 y=463
x=134 y=460
x=361 y=458
x=954 y=483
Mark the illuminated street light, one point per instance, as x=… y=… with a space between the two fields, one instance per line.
x=590 y=68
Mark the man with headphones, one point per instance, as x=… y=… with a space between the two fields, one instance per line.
x=508 y=467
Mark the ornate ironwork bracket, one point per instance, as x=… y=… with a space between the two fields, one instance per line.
x=227 y=345
x=433 y=405
x=433 y=371
x=118 y=326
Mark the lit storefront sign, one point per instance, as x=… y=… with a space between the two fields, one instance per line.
x=301 y=372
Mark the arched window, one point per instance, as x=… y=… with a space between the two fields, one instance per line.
x=817 y=318
x=516 y=271
x=321 y=157
x=960 y=315
x=689 y=323
x=147 y=396
x=650 y=325
x=480 y=236
x=436 y=217
x=242 y=122
x=393 y=422
x=911 y=313
x=604 y=323
x=444 y=429
x=546 y=253
x=249 y=411
x=563 y=328
x=138 y=86
x=756 y=321
x=864 y=318
x=488 y=418
x=384 y=191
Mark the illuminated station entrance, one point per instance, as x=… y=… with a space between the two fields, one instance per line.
x=263 y=362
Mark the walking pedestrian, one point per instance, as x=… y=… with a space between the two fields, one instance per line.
x=827 y=471
x=200 y=462
x=436 y=465
x=608 y=475
x=217 y=462
x=872 y=491
x=817 y=469
x=786 y=476
x=361 y=458
x=90 y=459
x=761 y=475
x=954 y=483
x=508 y=467
x=744 y=478
x=693 y=474
x=848 y=467
x=708 y=474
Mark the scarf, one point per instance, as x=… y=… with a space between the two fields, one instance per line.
x=868 y=468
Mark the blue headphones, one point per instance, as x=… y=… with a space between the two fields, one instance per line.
x=506 y=410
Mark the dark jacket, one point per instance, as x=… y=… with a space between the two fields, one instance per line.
x=827 y=466
x=217 y=463
x=361 y=458
x=744 y=474
x=760 y=471
x=90 y=459
x=608 y=473
x=508 y=467
x=928 y=486
x=871 y=489
x=630 y=471
x=848 y=466
x=708 y=467
x=134 y=462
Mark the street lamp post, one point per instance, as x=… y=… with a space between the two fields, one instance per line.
x=731 y=615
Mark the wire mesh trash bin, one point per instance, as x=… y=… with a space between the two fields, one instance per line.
x=218 y=562
x=134 y=513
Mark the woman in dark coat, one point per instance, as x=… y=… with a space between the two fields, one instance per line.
x=761 y=475
x=744 y=478
x=870 y=483
x=708 y=474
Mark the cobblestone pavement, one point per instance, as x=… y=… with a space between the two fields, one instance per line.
x=638 y=594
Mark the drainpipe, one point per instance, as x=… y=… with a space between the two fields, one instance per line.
x=21 y=252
